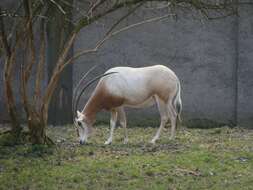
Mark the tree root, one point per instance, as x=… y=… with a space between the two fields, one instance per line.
x=5 y=132
x=23 y=138
x=49 y=141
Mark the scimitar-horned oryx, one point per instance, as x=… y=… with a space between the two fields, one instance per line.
x=123 y=87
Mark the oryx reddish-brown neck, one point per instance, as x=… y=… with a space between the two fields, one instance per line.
x=91 y=108
x=100 y=99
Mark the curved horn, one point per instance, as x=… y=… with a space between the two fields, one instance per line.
x=78 y=85
x=89 y=83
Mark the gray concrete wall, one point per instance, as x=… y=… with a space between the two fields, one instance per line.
x=245 y=66
x=211 y=58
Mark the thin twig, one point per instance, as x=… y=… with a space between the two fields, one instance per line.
x=195 y=173
x=168 y=4
x=58 y=6
x=122 y=18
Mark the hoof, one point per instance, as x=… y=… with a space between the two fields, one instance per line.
x=125 y=141
x=108 y=142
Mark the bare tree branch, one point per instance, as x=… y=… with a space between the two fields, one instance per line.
x=94 y=6
x=55 y=77
x=58 y=6
x=3 y=37
x=30 y=34
x=41 y=64
x=111 y=34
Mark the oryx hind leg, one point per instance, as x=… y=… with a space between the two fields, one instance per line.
x=162 y=107
x=123 y=122
x=173 y=119
x=113 y=122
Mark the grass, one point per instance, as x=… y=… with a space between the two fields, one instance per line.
x=220 y=158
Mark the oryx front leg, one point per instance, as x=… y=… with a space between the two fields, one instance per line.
x=164 y=118
x=113 y=122
x=123 y=123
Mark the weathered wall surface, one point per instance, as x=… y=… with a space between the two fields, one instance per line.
x=212 y=59
x=245 y=66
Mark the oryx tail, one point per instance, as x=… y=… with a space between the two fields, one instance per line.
x=177 y=102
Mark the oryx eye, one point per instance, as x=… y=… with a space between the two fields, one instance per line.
x=79 y=124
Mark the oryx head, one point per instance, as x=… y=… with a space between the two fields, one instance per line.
x=83 y=128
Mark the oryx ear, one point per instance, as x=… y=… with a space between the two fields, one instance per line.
x=78 y=113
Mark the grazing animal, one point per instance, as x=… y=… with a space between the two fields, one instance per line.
x=132 y=87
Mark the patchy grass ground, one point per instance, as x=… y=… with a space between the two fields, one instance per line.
x=220 y=158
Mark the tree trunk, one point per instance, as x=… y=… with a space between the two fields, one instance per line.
x=10 y=101
x=37 y=130
x=8 y=71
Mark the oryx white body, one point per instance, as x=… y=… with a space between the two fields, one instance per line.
x=133 y=87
